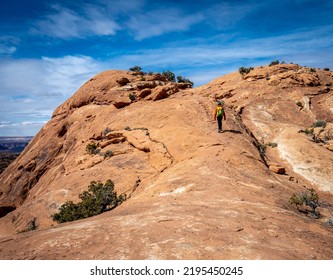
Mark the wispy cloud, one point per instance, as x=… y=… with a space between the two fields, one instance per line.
x=65 y=74
x=30 y=89
x=213 y=52
x=20 y=128
x=65 y=23
x=227 y=14
x=8 y=45
x=106 y=20
x=46 y=76
x=11 y=124
x=5 y=49
x=158 y=22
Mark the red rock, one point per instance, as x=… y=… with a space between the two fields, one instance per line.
x=123 y=81
x=191 y=190
x=277 y=169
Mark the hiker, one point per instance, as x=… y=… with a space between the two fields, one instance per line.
x=218 y=114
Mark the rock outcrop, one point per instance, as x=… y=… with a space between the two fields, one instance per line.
x=192 y=193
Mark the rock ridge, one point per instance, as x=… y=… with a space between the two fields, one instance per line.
x=192 y=193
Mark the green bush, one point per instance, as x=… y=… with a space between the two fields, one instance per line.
x=243 y=70
x=309 y=131
x=91 y=148
x=300 y=104
x=108 y=154
x=181 y=79
x=132 y=96
x=319 y=123
x=308 y=198
x=169 y=76
x=105 y=132
x=326 y=69
x=272 y=144
x=98 y=199
x=262 y=149
x=275 y=62
x=135 y=69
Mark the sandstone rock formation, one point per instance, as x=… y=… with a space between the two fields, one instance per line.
x=192 y=193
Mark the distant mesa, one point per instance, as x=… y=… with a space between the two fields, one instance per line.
x=14 y=144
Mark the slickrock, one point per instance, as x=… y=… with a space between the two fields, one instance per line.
x=192 y=193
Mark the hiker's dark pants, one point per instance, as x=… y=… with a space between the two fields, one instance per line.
x=219 y=122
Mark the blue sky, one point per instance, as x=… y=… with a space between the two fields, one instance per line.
x=48 y=49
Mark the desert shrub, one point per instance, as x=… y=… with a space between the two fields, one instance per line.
x=308 y=198
x=262 y=149
x=181 y=79
x=275 y=62
x=169 y=76
x=132 y=96
x=272 y=144
x=135 y=69
x=98 y=199
x=91 y=148
x=243 y=70
x=326 y=69
x=319 y=123
x=312 y=70
x=108 y=154
x=299 y=104
x=105 y=132
x=309 y=131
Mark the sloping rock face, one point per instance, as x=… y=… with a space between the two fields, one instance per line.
x=192 y=193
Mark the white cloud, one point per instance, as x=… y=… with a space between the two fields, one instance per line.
x=32 y=123
x=21 y=124
x=30 y=89
x=66 y=74
x=65 y=23
x=46 y=76
x=214 y=52
x=4 y=123
x=21 y=128
x=8 y=45
x=158 y=22
x=7 y=49
x=226 y=14
x=106 y=19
